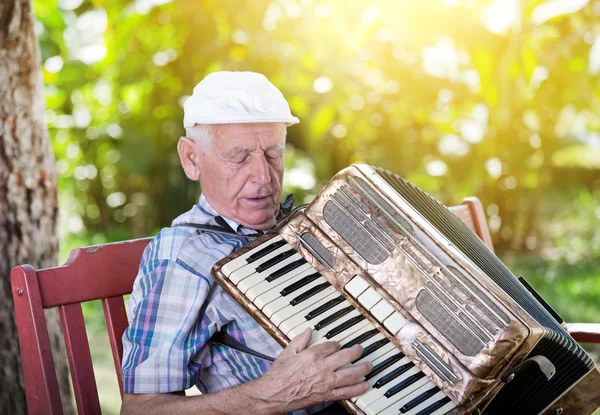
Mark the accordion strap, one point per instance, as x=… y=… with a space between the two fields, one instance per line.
x=215 y=228
x=222 y=337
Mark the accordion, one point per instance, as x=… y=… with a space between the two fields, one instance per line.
x=449 y=329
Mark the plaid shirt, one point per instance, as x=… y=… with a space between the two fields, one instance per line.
x=176 y=307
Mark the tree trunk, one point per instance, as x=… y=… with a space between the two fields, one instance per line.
x=28 y=194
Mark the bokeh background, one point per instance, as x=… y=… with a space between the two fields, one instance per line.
x=498 y=99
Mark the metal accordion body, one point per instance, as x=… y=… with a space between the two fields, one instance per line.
x=449 y=329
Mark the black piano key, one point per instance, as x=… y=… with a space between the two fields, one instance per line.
x=371 y=348
x=265 y=251
x=299 y=284
x=324 y=307
x=344 y=326
x=406 y=382
x=284 y=270
x=306 y=295
x=392 y=375
x=419 y=399
x=334 y=317
x=434 y=406
x=275 y=260
x=364 y=336
x=380 y=367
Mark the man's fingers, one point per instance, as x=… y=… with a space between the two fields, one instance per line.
x=325 y=349
x=300 y=342
x=347 y=392
x=344 y=356
x=350 y=375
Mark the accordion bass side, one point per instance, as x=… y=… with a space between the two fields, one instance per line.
x=374 y=260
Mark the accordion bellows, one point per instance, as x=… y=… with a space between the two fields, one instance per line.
x=384 y=264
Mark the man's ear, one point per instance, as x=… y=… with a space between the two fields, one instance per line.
x=189 y=155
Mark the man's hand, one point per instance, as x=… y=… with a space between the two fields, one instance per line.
x=301 y=376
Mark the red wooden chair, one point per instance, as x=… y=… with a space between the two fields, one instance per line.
x=106 y=273
x=102 y=272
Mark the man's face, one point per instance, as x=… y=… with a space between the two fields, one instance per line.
x=242 y=170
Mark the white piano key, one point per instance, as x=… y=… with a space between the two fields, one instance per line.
x=369 y=298
x=286 y=312
x=369 y=329
x=249 y=269
x=373 y=339
x=275 y=286
x=294 y=331
x=299 y=318
x=444 y=409
x=381 y=404
x=394 y=322
x=394 y=409
x=383 y=350
x=373 y=395
x=356 y=286
x=346 y=333
x=376 y=360
x=240 y=261
x=420 y=386
x=284 y=302
x=426 y=402
x=259 y=277
x=382 y=310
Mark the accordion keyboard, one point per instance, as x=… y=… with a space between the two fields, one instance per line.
x=294 y=296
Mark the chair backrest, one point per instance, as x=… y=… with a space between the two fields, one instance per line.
x=471 y=212
x=106 y=273
x=102 y=272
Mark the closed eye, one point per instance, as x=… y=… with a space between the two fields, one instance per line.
x=274 y=154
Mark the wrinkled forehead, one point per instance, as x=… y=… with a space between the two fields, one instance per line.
x=251 y=136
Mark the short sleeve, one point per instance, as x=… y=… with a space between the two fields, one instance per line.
x=165 y=344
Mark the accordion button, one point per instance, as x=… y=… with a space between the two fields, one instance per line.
x=382 y=310
x=394 y=323
x=369 y=298
x=356 y=286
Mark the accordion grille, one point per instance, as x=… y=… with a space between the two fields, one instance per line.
x=446 y=324
x=354 y=234
x=318 y=247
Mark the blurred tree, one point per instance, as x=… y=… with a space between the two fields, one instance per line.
x=28 y=192
x=460 y=97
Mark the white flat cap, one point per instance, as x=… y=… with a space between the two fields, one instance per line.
x=234 y=98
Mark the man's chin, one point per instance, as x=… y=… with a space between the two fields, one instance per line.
x=260 y=221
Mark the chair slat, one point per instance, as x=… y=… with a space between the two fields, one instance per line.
x=480 y=225
x=116 y=323
x=471 y=212
x=80 y=359
x=93 y=273
x=41 y=385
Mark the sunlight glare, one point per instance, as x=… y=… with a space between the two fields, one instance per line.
x=554 y=8
x=500 y=15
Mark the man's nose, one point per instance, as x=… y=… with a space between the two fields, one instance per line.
x=260 y=170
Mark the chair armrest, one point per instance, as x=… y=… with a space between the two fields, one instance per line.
x=585 y=332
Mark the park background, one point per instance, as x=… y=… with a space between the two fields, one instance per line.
x=498 y=99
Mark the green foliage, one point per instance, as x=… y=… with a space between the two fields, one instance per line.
x=463 y=97
x=458 y=105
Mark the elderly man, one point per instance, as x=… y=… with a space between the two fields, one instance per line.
x=236 y=127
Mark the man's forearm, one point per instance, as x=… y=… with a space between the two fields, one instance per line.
x=246 y=398
x=300 y=377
